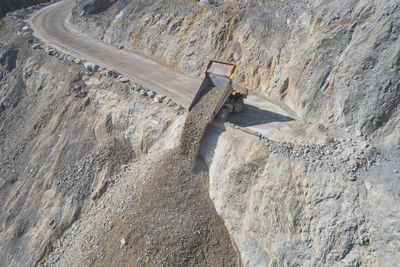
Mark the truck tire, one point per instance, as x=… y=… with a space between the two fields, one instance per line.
x=223 y=114
x=239 y=105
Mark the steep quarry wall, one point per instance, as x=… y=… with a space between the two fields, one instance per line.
x=329 y=61
x=77 y=148
x=342 y=59
x=296 y=204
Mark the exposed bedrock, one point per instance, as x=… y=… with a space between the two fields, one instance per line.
x=295 y=205
x=334 y=62
x=77 y=145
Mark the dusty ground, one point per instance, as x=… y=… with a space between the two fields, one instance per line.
x=65 y=132
x=196 y=123
x=82 y=126
x=52 y=25
x=168 y=218
x=174 y=222
x=181 y=231
x=80 y=150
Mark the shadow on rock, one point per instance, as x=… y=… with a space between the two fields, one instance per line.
x=254 y=116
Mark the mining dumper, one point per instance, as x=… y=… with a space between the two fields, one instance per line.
x=220 y=74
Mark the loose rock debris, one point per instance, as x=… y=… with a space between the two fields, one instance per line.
x=176 y=223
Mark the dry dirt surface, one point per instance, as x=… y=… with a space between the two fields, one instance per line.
x=93 y=172
x=64 y=133
x=175 y=222
x=50 y=152
x=168 y=218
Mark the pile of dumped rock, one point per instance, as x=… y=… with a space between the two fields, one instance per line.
x=176 y=192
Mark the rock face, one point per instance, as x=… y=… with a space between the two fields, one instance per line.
x=291 y=205
x=329 y=61
x=8 y=58
x=76 y=145
x=344 y=63
x=90 y=7
x=332 y=62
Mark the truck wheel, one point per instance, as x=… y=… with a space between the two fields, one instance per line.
x=239 y=105
x=223 y=114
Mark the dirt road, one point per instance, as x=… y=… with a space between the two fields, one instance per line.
x=52 y=25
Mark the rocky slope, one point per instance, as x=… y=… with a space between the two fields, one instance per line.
x=69 y=130
x=329 y=61
x=65 y=132
x=333 y=62
x=8 y=6
x=299 y=205
x=78 y=147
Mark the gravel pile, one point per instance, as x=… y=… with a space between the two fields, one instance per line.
x=177 y=223
x=197 y=121
x=158 y=213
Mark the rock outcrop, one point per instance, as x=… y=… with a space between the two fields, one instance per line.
x=330 y=61
x=287 y=206
x=78 y=142
x=64 y=133
x=90 y=7
x=336 y=64
x=341 y=67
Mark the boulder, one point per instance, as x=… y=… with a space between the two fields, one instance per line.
x=166 y=100
x=77 y=61
x=204 y=2
x=49 y=51
x=90 y=7
x=123 y=79
x=89 y=66
x=159 y=98
x=178 y=107
x=143 y=92
x=151 y=94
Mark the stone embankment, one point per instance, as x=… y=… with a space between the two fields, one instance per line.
x=79 y=144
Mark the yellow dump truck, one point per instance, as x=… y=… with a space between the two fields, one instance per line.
x=220 y=74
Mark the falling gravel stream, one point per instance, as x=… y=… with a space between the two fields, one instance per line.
x=175 y=222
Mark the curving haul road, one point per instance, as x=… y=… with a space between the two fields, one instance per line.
x=51 y=25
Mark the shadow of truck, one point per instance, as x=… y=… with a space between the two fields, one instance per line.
x=252 y=116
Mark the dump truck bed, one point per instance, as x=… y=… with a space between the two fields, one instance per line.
x=217 y=74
